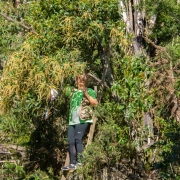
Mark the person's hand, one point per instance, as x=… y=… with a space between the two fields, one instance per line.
x=85 y=91
x=92 y=101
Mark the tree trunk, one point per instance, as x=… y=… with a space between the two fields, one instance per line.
x=107 y=75
x=134 y=20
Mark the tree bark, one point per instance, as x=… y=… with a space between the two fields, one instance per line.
x=107 y=75
x=134 y=20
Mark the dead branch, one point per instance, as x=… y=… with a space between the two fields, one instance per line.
x=12 y=146
x=18 y=23
x=162 y=49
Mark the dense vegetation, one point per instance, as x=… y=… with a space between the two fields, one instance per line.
x=44 y=44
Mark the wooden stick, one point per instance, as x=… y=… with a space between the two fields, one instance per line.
x=91 y=131
x=64 y=173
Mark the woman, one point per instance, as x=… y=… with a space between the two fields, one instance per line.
x=77 y=126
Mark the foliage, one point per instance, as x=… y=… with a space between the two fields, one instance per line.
x=112 y=141
x=167 y=20
x=12 y=171
x=64 y=38
x=11 y=33
x=51 y=55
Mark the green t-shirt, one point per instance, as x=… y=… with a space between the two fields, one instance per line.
x=75 y=102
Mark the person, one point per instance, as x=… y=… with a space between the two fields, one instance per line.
x=78 y=127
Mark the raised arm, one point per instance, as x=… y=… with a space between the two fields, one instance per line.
x=92 y=101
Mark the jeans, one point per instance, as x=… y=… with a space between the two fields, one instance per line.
x=75 y=140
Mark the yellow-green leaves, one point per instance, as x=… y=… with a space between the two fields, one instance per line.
x=26 y=73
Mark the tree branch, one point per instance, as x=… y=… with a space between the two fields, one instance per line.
x=97 y=79
x=157 y=47
x=18 y=23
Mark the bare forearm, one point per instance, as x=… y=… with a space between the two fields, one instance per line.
x=92 y=101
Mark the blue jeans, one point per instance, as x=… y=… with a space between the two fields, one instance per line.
x=75 y=140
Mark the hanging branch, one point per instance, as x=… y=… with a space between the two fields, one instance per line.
x=157 y=47
x=18 y=23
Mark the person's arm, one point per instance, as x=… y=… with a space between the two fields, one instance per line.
x=92 y=101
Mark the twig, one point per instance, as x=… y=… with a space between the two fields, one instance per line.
x=18 y=23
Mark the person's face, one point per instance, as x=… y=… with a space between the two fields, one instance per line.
x=80 y=82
